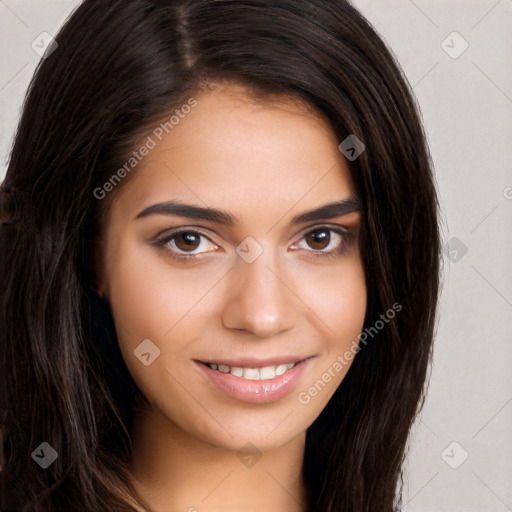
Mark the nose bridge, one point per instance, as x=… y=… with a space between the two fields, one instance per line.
x=259 y=301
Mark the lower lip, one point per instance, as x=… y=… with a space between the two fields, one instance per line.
x=256 y=391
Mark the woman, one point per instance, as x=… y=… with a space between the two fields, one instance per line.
x=220 y=263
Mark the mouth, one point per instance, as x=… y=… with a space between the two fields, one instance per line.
x=255 y=381
x=253 y=373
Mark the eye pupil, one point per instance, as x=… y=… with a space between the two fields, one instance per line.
x=320 y=236
x=189 y=240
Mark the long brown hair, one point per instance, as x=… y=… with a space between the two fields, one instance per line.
x=119 y=66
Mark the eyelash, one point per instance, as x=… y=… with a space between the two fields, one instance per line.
x=347 y=237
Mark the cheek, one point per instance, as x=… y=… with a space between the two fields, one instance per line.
x=155 y=301
x=348 y=318
x=138 y=304
x=338 y=298
x=145 y=306
x=149 y=298
x=341 y=306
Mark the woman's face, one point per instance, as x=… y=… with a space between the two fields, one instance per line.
x=213 y=310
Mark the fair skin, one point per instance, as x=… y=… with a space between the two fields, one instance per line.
x=264 y=163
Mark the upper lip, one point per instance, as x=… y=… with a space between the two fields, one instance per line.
x=254 y=362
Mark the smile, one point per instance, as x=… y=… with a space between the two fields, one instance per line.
x=246 y=382
x=265 y=373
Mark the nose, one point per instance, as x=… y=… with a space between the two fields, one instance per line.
x=259 y=299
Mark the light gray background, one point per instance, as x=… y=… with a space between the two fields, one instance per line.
x=466 y=103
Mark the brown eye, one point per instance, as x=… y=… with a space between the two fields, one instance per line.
x=187 y=241
x=180 y=245
x=318 y=239
x=326 y=242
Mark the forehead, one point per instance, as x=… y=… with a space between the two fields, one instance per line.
x=243 y=154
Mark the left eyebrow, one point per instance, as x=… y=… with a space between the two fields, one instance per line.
x=328 y=211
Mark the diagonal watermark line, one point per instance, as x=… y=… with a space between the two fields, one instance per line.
x=4 y=4
x=117 y=322
x=429 y=429
x=493 y=287
x=490 y=490
x=165 y=165
x=282 y=421
x=492 y=81
x=300 y=300
x=212 y=287
x=197 y=402
x=216 y=487
x=11 y=79
x=491 y=9
x=492 y=418
x=301 y=199
x=492 y=211
x=425 y=75
x=291 y=495
x=425 y=14
x=422 y=489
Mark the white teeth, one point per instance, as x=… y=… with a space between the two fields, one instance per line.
x=251 y=374
x=281 y=369
x=269 y=372
x=266 y=373
x=237 y=371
